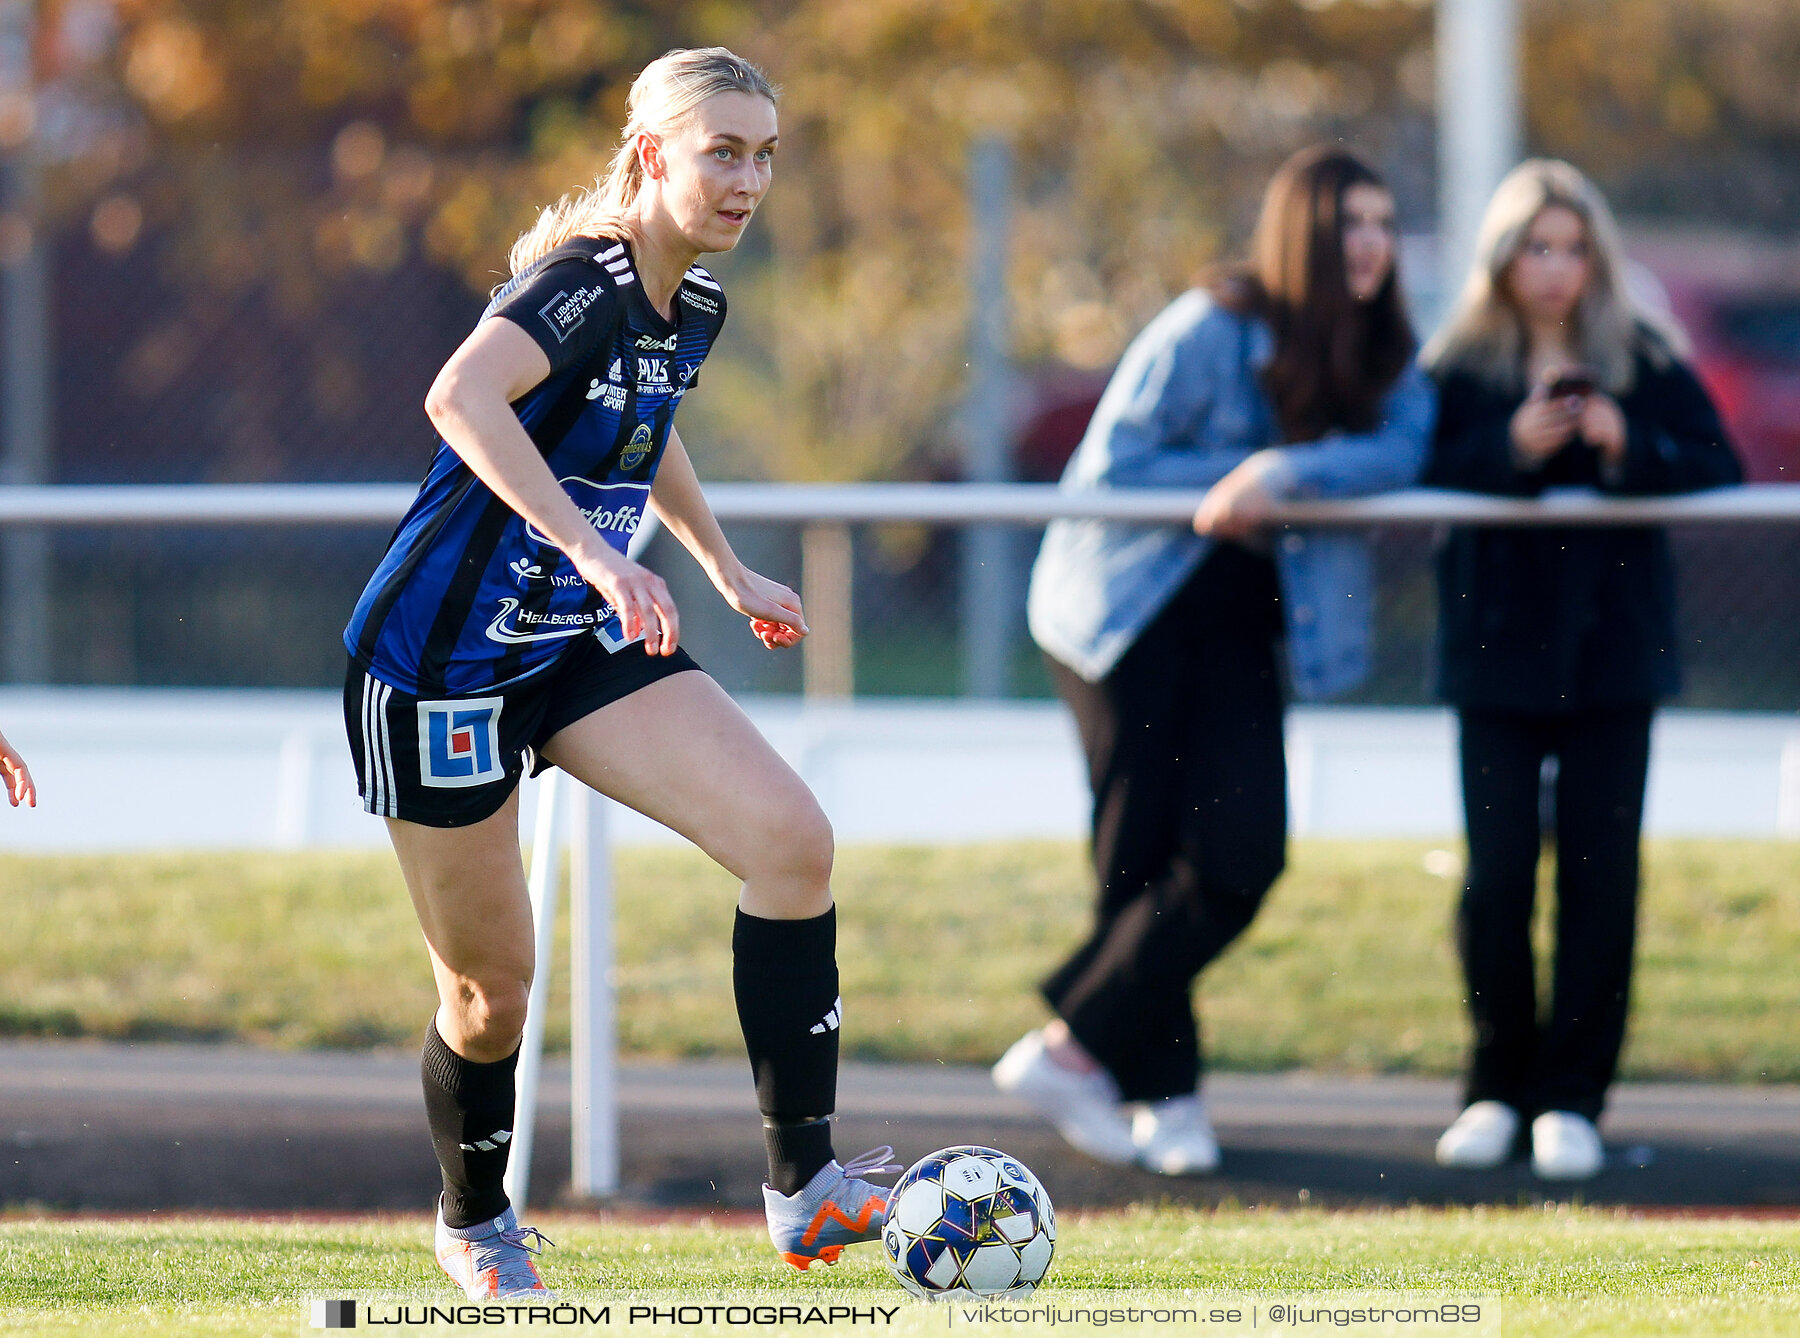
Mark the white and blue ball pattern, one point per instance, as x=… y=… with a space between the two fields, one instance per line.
x=966 y=1222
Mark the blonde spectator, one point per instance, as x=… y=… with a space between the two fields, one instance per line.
x=1555 y=646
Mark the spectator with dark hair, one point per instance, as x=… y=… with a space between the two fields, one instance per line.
x=1290 y=377
x=1556 y=645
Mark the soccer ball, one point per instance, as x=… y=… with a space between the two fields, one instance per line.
x=968 y=1221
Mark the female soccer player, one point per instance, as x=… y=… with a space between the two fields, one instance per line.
x=503 y=629
x=1292 y=377
x=1555 y=643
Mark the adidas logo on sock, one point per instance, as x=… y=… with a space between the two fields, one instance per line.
x=499 y=1138
x=831 y=1020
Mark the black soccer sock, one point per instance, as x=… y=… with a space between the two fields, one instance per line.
x=470 y=1109
x=797 y=1151
x=785 y=976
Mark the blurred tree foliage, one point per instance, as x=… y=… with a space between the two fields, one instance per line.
x=1683 y=109
x=293 y=144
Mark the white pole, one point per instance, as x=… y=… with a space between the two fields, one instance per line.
x=1478 y=121
x=293 y=790
x=1787 y=793
x=593 y=1088
x=989 y=586
x=540 y=885
x=25 y=426
x=827 y=574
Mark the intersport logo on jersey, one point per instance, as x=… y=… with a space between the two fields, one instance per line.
x=611 y=508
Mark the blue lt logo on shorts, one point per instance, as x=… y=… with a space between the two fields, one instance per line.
x=459 y=742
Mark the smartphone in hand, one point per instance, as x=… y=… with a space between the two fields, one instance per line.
x=1576 y=381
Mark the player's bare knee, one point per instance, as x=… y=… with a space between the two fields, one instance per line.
x=804 y=846
x=786 y=865
x=493 y=1010
x=781 y=838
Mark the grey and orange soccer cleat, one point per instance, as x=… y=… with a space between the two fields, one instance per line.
x=492 y=1261
x=834 y=1209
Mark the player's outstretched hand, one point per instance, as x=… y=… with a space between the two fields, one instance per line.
x=773 y=610
x=639 y=595
x=19 y=786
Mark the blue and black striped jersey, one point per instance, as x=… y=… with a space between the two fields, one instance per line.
x=469 y=597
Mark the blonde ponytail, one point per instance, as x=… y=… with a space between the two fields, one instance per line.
x=663 y=96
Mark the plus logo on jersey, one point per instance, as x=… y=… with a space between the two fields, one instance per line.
x=459 y=742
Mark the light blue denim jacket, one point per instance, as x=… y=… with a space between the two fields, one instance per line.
x=1183 y=409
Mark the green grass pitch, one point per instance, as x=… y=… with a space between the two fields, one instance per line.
x=1559 y=1272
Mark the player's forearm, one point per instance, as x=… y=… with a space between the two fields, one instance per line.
x=681 y=505
x=485 y=432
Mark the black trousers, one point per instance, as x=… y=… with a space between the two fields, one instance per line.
x=1184 y=749
x=1564 y=1061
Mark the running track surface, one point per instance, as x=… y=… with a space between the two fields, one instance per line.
x=130 y=1128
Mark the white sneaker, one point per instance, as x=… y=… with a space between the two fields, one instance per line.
x=1084 y=1107
x=1565 y=1146
x=1174 y=1137
x=1481 y=1137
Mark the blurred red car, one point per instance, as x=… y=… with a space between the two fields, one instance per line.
x=1747 y=352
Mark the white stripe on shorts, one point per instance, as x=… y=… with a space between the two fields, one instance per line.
x=368 y=743
x=387 y=754
x=378 y=762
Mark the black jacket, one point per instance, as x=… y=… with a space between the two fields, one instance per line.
x=1556 y=620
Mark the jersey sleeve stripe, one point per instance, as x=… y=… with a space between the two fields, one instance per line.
x=701 y=277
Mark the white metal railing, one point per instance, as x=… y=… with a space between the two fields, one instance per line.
x=566 y=808
x=945 y=503
x=826 y=509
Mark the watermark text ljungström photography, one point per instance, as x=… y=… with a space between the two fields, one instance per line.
x=1196 y=1313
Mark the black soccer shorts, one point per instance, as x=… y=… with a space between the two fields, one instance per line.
x=452 y=762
